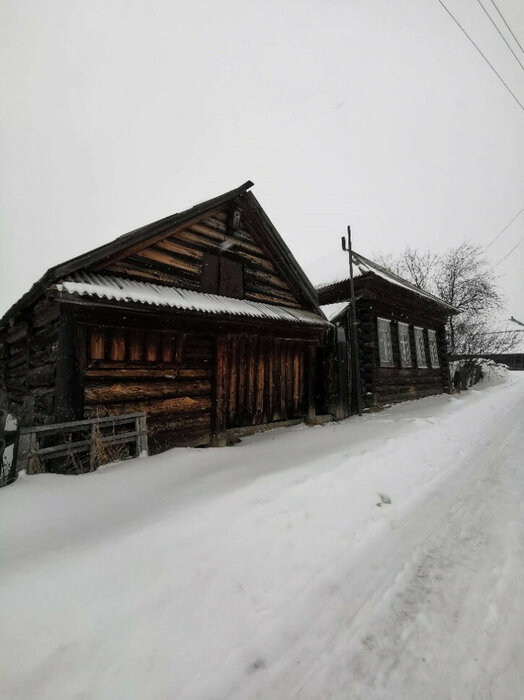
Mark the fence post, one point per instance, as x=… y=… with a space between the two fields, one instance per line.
x=32 y=457
x=22 y=452
x=141 y=439
x=3 y=417
x=92 y=455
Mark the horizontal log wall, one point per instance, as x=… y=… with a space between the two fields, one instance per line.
x=383 y=385
x=29 y=351
x=164 y=373
x=177 y=260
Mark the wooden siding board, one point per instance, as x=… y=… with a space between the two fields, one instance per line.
x=181 y=259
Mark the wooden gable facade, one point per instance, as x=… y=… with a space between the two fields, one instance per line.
x=401 y=339
x=204 y=320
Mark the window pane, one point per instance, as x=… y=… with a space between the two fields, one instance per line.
x=385 y=349
x=433 y=350
x=404 y=346
x=419 y=348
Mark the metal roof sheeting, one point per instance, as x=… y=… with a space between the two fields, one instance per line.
x=362 y=266
x=87 y=284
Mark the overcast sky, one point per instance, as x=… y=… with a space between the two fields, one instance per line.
x=374 y=113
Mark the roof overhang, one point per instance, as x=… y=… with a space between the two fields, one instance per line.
x=95 y=287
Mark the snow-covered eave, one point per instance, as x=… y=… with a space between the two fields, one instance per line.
x=124 y=291
x=333 y=311
x=363 y=270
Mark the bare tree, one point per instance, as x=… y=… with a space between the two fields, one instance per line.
x=463 y=278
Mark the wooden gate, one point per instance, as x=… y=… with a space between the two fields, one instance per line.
x=259 y=380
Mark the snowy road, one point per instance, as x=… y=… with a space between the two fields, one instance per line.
x=446 y=618
x=267 y=570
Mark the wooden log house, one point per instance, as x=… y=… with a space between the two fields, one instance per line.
x=401 y=338
x=204 y=320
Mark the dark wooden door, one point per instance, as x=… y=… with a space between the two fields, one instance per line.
x=260 y=380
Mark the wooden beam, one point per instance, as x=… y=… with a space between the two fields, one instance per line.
x=219 y=417
x=66 y=378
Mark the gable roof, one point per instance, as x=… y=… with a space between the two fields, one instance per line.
x=274 y=241
x=363 y=266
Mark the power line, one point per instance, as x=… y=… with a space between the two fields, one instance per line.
x=501 y=34
x=505 y=228
x=484 y=57
x=507 y=256
x=507 y=25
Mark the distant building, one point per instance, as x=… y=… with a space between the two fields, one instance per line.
x=514 y=358
x=401 y=338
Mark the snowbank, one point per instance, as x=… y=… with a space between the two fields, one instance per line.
x=494 y=373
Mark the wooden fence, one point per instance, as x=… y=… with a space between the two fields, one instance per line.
x=81 y=446
x=7 y=470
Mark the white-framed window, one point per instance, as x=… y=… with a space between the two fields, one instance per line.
x=419 y=347
x=433 y=352
x=404 y=346
x=385 y=348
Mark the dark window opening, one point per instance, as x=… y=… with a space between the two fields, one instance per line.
x=221 y=275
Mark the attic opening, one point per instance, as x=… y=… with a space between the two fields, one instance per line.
x=221 y=275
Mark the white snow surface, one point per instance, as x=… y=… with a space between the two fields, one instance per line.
x=276 y=568
x=331 y=311
x=119 y=289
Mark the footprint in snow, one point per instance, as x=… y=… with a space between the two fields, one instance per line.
x=384 y=499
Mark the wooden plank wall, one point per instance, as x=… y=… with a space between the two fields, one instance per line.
x=30 y=351
x=164 y=373
x=382 y=385
x=177 y=260
x=262 y=380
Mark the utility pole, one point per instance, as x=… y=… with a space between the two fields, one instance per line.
x=353 y=314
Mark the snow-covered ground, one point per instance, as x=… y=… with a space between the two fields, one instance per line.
x=274 y=569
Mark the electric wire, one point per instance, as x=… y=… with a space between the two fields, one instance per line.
x=507 y=25
x=484 y=57
x=508 y=254
x=501 y=34
x=505 y=228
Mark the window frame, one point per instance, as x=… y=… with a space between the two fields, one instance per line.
x=420 y=348
x=433 y=349
x=384 y=360
x=406 y=359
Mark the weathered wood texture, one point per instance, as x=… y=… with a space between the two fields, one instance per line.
x=188 y=257
x=384 y=385
x=28 y=355
x=81 y=446
x=164 y=373
x=259 y=380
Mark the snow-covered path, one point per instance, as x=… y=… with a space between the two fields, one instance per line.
x=268 y=571
x=446 y=618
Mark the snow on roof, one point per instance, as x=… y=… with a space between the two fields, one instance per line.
x=331 y=270
x=120 y=289
x=331 y=311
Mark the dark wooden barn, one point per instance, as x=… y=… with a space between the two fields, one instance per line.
x=401 y=338
x=203 y=319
